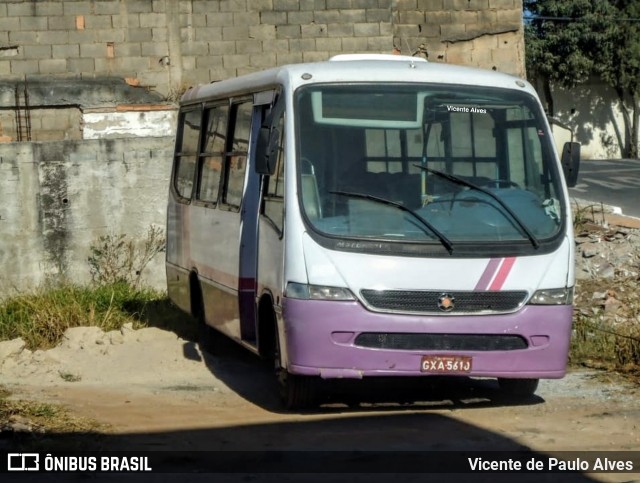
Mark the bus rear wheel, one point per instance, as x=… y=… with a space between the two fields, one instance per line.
x=208 y=338
x=518 y=388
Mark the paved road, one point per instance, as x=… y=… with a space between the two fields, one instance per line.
x=612 y=181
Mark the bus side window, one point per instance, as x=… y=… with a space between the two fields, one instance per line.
x=186 y=152
x=273 y=206
x=213 y=154
x=236 y=157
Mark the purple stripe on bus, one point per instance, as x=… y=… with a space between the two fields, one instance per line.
x=487 y=275
x=312 y=349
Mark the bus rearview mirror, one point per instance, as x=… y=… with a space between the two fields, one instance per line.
x=571 y=162
x=267 y=150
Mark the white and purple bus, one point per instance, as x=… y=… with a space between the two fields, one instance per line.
x=372 y=216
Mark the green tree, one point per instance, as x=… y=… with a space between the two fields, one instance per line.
x=568 y=41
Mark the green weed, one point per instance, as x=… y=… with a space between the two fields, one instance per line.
x=581 y=216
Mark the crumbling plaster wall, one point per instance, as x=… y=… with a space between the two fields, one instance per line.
x=59 y=197
x=480 y=33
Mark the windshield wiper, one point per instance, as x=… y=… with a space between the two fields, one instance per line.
x=464 y=182
x=443 y=239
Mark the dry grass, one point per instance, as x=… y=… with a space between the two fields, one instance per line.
x=36 y=418
x=607 y=335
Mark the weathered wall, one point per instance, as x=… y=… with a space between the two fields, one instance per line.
x=170 y=44
x=480 y=33
x=593 y=111
x=47 y=124
x=98 y=54
x=129 y=123
x=103 y=69
x=59 y=197
x=69 y=108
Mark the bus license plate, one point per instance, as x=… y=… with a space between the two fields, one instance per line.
x=446 y=364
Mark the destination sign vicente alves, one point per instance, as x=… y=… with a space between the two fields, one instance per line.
x=476 y=110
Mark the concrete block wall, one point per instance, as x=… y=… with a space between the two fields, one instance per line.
x=85 y=58
x=55 y=124
x=87 y=37
x=480 y=33
x=59 y=197
x=69 y=108
x=170 y=44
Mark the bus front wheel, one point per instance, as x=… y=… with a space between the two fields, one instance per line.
x=297 y=392
x=518 y=388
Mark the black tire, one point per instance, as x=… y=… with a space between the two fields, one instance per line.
x=518 y=388
x=294 y=391
x=297 y=392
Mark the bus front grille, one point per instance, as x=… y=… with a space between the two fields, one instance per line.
x=441 y=342
x=418 y=301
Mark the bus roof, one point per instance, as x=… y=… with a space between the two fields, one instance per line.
x=348 y=68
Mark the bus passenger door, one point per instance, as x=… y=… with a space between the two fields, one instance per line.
x=271 y=219
x=249 y=230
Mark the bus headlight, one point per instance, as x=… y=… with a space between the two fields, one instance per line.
x=553 y=296
x=317 y=292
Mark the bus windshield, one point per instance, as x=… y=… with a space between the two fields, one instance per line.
x=426 y=164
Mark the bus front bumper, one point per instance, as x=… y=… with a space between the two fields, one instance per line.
x=322 y=339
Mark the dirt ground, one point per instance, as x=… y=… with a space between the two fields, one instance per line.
x=155 y=391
